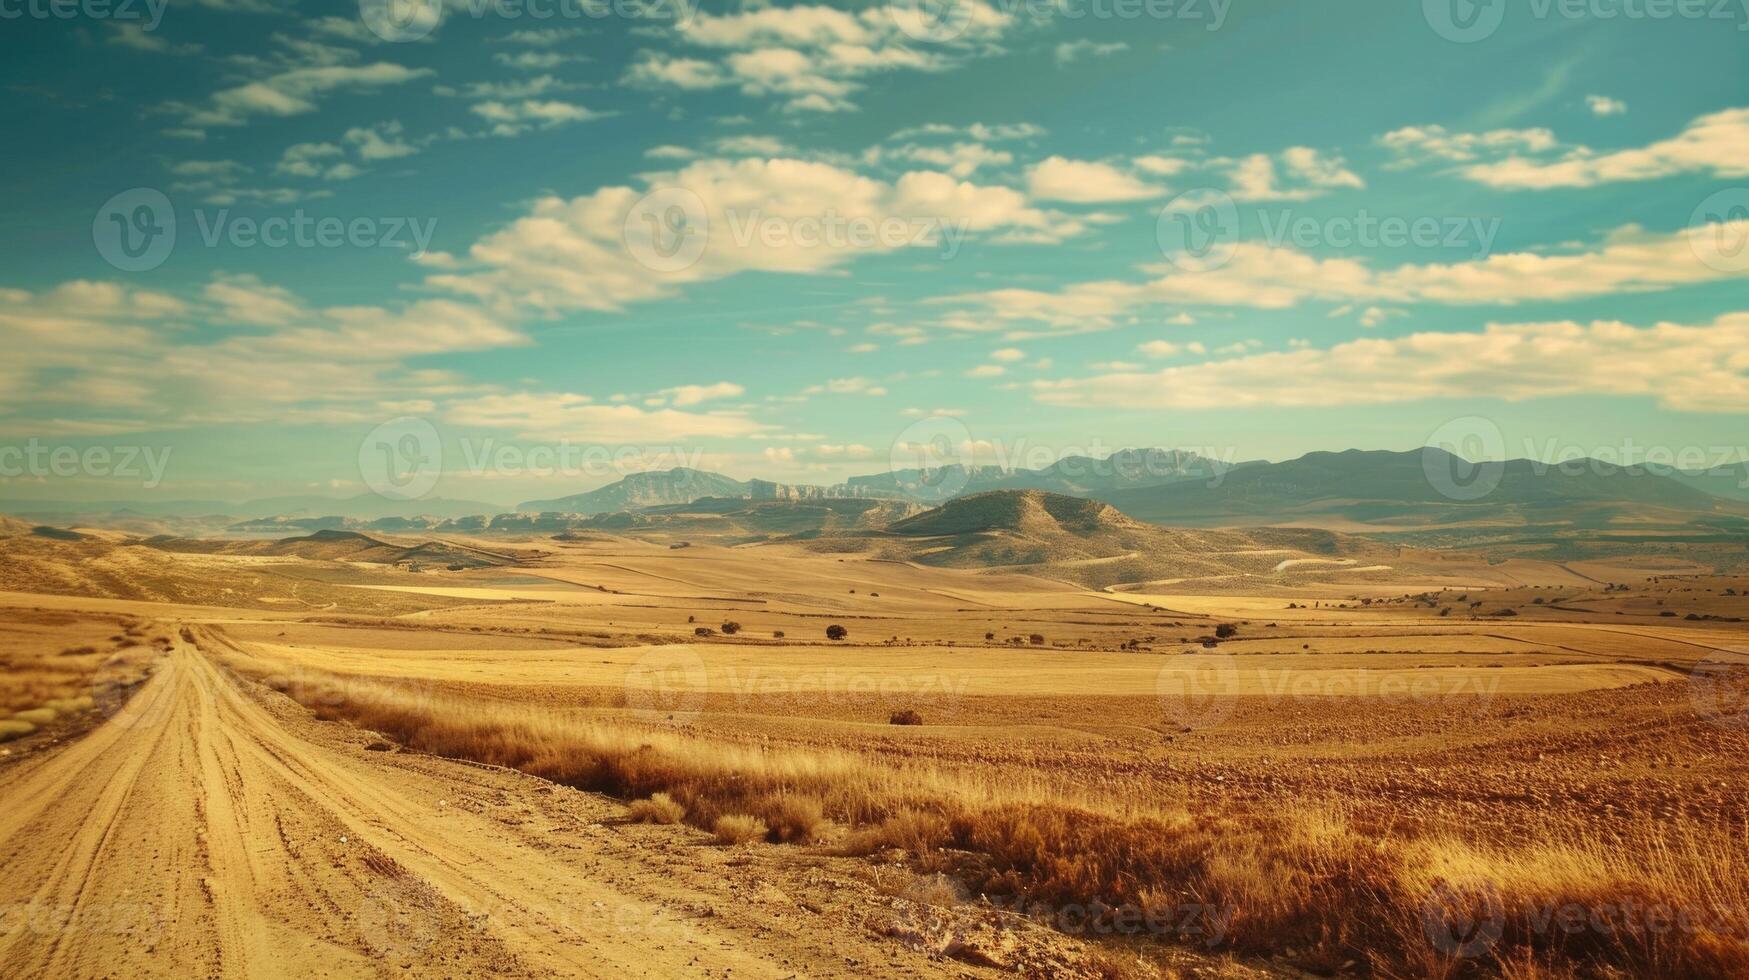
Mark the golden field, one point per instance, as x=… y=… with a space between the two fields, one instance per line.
x=1435 y=766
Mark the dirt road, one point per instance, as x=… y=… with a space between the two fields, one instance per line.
x=210 y=830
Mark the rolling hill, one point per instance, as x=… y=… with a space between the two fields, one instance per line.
x=1092 y=543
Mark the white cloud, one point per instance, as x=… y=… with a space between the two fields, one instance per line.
x=1008 y=355
x=380 y=142
x=847 y=386
x=987 y=371
x=567 y=255
x=1072 y=51
x=516 y=118
x=1715 y=144
x=1312 y=174
x=814 y=56
x=1257 y=276
x=295 y=92
x=1603 y=105
x=1419 y=144
x=1085 y=182
x=1702 y=368
x=578 y=418
x=685 y=396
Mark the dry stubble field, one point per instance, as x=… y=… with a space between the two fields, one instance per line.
x=1449 y=769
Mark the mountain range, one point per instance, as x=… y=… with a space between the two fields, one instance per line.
x=1418 y=491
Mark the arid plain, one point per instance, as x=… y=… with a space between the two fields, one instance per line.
x=639 y=753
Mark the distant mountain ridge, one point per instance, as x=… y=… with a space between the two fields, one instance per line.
x=1425 y=486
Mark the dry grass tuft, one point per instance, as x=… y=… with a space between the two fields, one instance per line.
x=738 y=828
x=659 y=808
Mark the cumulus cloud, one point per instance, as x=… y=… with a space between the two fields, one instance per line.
x=573 y=254
x=684 y=396
x=1085 y=182
x=1698 y=368
x=1715 y=144
x=1298 y=173
x=1258 y=276
x=813 y=57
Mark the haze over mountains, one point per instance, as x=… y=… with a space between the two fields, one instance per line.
x=1418 y=491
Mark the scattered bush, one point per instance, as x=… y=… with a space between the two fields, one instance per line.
x=793 y=820
x=731 y=627
x=836 y=632
x=659 y=808
x=1225 y=630
x=777 y=634
x=1038 y=639
x=905 y=717
x=738 y=828
x=704 y=631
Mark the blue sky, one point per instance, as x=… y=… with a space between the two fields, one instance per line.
x=1528 y=241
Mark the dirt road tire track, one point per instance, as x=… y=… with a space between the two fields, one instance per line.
x=207 y=831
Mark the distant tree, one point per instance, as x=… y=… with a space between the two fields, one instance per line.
x=1038 y=639
x=1225 y=630
x=989 y=636
x=905 y=717
x=836 y=632
x=731 y=627
x=777 y=634
x=704 y=631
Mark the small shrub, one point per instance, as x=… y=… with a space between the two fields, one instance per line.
x=13 y=728
x=836 y=632
x=704 y=631
x=795 y=820
x=659 y=808
x=905 y=717
x=1225 y=630
x=1038 y=639
x=738 y=828
x=731 y=627
x=777 y=634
